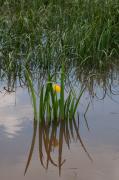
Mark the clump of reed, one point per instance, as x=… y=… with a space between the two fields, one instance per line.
x=43 y=31
x=51 y=103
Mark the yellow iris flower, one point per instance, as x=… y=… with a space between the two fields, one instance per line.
x=56 y=88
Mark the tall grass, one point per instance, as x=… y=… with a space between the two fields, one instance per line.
x=39 y=33
x=53 y=105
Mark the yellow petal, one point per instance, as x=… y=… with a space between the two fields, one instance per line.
x=56 y=88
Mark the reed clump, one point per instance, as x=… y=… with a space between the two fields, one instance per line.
x=39 y=33
x=51 y=104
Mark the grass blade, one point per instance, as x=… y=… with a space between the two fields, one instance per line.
x=33 y=95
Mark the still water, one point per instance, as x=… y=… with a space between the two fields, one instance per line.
x=98 y=139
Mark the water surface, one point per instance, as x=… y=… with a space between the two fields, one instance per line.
x=101 y=140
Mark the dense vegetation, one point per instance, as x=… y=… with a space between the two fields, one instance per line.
x=41 y=34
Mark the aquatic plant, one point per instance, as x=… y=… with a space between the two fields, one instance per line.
x=39 y=34
x=53 y=105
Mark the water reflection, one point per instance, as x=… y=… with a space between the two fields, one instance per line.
x=51 y=138
x=98 y=82
x=102 y=142
x=14 y=110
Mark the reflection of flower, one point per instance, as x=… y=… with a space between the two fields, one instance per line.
x=55 y=142
x=56 y=88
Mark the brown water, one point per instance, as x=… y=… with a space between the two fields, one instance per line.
x=101 y=141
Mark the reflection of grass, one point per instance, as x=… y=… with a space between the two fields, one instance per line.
x=52 y=103
x=51 y=138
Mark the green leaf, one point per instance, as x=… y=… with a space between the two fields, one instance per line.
x=77 y=101
x=62 y=93
x=30 y=84
x=41 y=107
